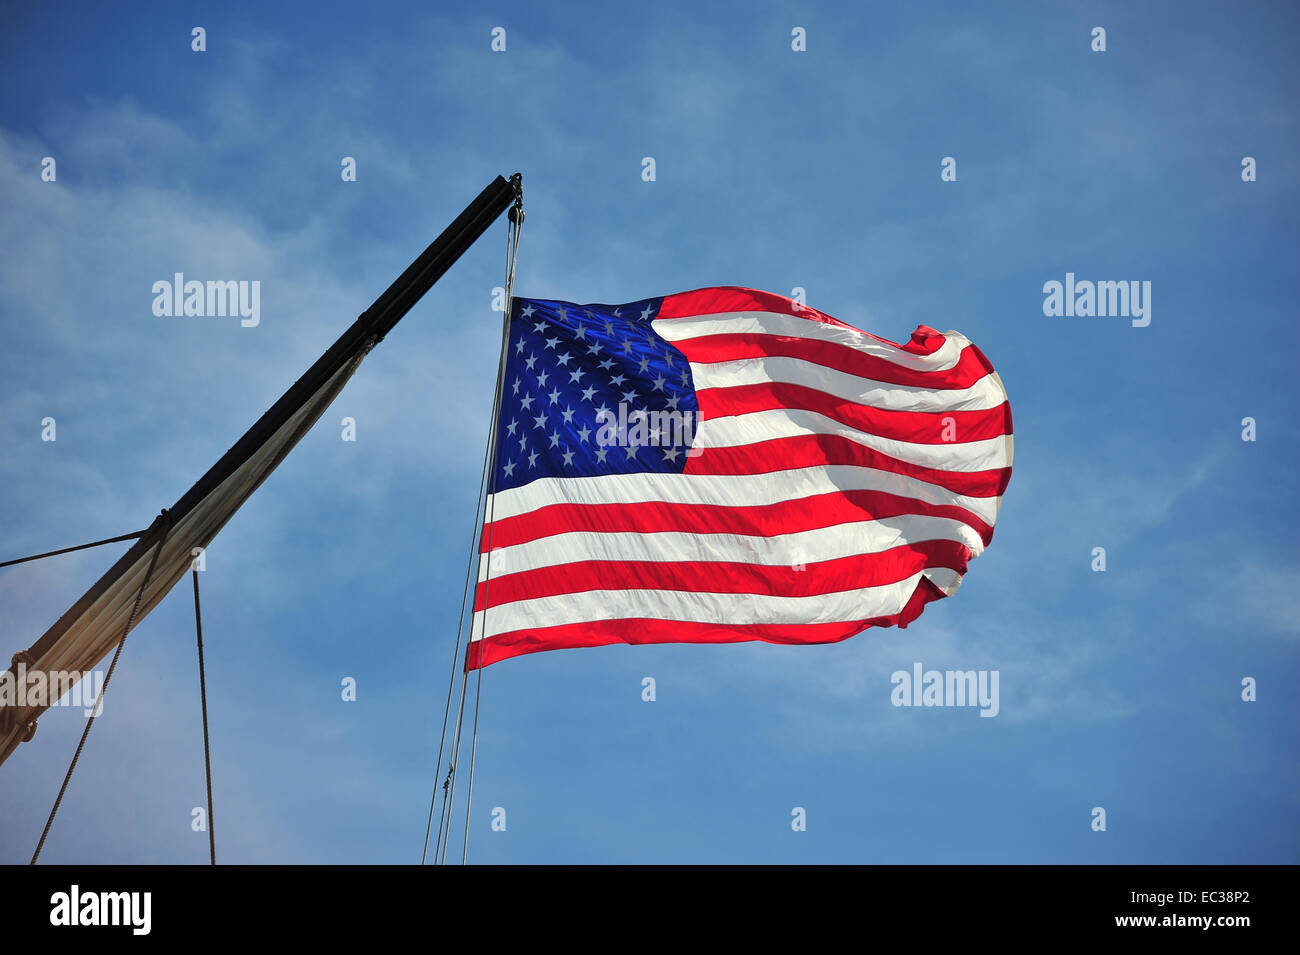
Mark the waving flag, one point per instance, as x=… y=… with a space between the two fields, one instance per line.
x=727 y=465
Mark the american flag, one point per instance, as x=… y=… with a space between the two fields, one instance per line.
x=725 y=465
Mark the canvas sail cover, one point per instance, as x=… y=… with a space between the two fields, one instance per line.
x=92 y=627
x=87 y=632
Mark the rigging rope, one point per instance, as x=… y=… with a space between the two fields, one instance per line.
x=449 y=800
x=69 y=550
x=203 y=698
x=512 y=254
x=90 y=720
x=486 y=487
x=449 y=783
x=451 y=683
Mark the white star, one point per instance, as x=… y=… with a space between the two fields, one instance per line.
x=516 y=391
x=607 y=364
x=576 y=375
x=532 y=460
x=530 y=361
x=538 y=326
x=564 y=359
x=510 y=428
x=618 y=312
x=659 y=383
x=594 y=349
x=584 y=433
x=609 y=326
x=630 y=396
x=568 y=458
x=510 y=469
x=539 y=422
x=671 y=455
x=646 y=313
x=519 y=347
x=600 y=454
x=627 y=346
x=683 y=378
x=669 y=357
x=554 y=395
x=581 y=332
x=552 y=342
x=541 y=379
x=563 y=314
x=672 y=402
x=523 y=443
x=555 y=438
x=567 y=414
x=588 y=393
x=617 y=380
x=602 y=411
x=631 y=451
x=645 y=363
x=527 y=310
x=525 y=401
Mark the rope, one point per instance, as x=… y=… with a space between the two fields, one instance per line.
x=451 y=683
x=90 y=720
x=203 y=698
x=489 y=465
x=449 y=800
x=449 y=783
x=512 y=255
x=69 y=550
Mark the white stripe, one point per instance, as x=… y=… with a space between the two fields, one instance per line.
x=791 y=326
x=727 y=490
x=800 y=547
x=699 y=607
x=982 y=395
x=737 y=430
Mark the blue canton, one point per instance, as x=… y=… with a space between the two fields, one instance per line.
x=568 y=370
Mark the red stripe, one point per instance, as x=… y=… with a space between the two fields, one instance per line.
x=989 y=365
x=918 y=427
x=763 y=520
x=822 y=450
x=599 y=633
x=725 y=577
x=712 y=301
x=971 y=366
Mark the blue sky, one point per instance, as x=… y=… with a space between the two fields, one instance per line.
x=775 y=169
